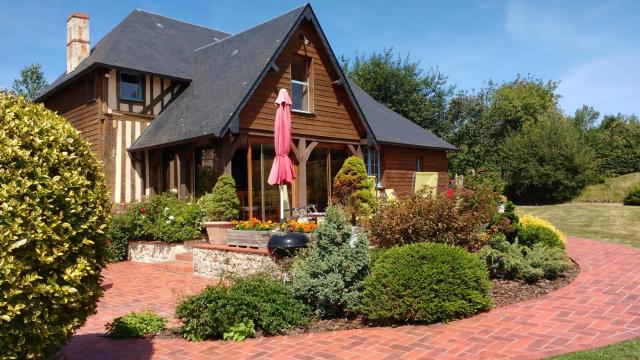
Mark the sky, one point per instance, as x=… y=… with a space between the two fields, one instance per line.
x=591 y=47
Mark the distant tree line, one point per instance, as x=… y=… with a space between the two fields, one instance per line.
x=515 y=128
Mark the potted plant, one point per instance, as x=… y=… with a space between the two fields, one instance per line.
x=220 y=207
x=251 y=233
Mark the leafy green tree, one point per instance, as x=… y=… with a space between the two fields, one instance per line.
x=31 y=82
x=616 y=142
x=585 y=118
x=547 y=161
x=404 y=87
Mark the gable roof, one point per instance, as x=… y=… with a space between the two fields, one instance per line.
x=145 y=42
x=393 y=128
x=224 y=74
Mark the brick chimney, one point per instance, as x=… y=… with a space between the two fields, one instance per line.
x=77 y=39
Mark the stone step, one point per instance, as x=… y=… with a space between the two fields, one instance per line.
x=186 y=256
x=176 y=266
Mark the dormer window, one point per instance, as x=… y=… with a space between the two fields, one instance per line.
x=130 y=87
x=300 y=83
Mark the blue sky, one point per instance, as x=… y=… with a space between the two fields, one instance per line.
x=591 y=47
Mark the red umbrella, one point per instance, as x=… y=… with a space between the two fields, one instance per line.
x=282 y=171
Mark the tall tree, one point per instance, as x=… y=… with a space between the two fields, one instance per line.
x=31 y=82
x=404 y=87
x=585 y=118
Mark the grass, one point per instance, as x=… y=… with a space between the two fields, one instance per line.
x=625 y=350
x=607 y=222
x=613 y=190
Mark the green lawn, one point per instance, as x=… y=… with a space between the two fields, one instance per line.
x=608 y=222
x=613 y=190
x=626 y=350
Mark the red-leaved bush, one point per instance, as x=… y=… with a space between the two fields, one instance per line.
x=462 y=220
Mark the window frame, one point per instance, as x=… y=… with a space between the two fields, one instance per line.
x=140 y=77
x=308 y=66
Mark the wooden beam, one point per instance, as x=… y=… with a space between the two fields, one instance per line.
x=249 y=180
x=355 y=151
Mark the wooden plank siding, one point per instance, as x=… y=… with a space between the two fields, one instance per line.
x=331 y=117
x=398 y=164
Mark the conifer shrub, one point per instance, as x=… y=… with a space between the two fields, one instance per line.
x=54 y=209
x=352 y=190
x=533 y=230
x=425 y=283
x=331 y=276
x=222 y=204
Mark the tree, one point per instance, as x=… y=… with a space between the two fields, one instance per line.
x=54 y=207
x=404 y=87
x=31 y=82
x=585 y=118
x=352 y=190
x=546 y=162
x=616 y=142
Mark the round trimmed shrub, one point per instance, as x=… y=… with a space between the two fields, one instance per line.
x=53 y=213
x=425 y=283
x=633 y=196
x=533 y=230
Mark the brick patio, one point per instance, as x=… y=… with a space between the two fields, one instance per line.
x=600 y=307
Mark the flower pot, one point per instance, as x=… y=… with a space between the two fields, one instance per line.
x=217 y=231
x=254 y=239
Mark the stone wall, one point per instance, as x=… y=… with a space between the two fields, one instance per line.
x=154 y=251
x=221 y=261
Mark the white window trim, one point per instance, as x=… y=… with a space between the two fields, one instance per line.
x=308 y=95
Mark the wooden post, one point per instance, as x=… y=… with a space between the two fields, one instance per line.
x=249 y=180
x=303 y=152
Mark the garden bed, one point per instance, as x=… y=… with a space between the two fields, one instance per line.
x=507 y=292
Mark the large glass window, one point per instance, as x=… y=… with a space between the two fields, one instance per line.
x=300 y=83
x=266 y=198
x=130 y=87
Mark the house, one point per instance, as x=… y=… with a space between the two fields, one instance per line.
x=168 y=105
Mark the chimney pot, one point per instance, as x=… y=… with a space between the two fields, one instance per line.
x=78 y=46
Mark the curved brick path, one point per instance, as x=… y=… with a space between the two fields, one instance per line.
x=600 y=307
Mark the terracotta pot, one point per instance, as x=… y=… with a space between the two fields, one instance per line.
x=217 y=231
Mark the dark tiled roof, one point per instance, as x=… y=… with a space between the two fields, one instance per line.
x=391 y=127
x=224 y=74
x=146 y=42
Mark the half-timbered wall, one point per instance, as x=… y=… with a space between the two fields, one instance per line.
x=157 y=93
x=398 y=165
x=331 y=116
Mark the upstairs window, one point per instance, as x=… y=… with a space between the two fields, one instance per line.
x=300 y=83
x=418 y=164
x=130 y=87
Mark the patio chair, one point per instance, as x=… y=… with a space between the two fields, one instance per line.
x=391 y=194
x=425 y=181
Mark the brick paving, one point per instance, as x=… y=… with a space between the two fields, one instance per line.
x=600 y=307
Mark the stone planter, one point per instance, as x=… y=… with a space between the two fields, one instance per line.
x=254 y=239
x=154 y=251
x=217 y=231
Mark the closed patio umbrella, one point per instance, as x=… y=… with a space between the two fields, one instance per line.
x=282 y=171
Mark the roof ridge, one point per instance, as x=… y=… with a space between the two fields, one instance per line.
x=253 y=27
x=181 y=21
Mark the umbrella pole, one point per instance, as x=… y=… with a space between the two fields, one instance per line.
x=281 y=204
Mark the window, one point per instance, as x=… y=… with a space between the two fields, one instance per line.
x=130 y=87
x=300 y=83
x=372 y=161
x=418 y=163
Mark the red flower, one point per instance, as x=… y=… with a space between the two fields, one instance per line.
x=450 y=193
x=142 y=210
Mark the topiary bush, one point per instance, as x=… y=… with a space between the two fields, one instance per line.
x=222 y=204
x=425 y=283
x=462 y=220
x=533 y=230
x=352 y=190
x=332 y=274
x=517 y=262
x=268 y=303
x=53 y=213
x=136 y=325
x=633 y=196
